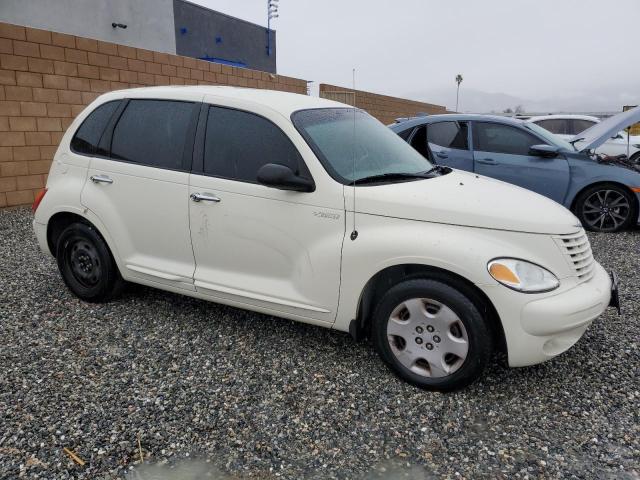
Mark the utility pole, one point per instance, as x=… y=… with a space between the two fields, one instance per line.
x=272 y=12
x=458 y=81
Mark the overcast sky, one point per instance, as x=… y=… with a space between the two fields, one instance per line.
x=580 y=55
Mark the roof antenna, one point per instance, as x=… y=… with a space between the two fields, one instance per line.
x=354 y=233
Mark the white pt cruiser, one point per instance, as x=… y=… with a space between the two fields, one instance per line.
x=312 y=210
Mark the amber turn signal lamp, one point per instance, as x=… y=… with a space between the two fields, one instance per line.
x=39 y=197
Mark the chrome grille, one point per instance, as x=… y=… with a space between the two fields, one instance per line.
x=577 y=250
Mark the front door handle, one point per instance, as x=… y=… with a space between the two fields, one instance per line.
x=442 y=154
x=101 y=179
x=204 y=197
x=487 y=161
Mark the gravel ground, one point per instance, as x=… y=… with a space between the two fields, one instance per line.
x=212 y=389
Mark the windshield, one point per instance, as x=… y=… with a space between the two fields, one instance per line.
x=550 y=137
x=352 y=145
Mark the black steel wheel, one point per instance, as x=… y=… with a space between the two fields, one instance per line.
x=86 y=264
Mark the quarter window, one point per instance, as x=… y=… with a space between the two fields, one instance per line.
x=87 y=138
x=152 y=132
x=498 y=138
x=449 y=135
x=238 y=144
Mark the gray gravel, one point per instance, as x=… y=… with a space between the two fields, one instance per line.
x=215 y=389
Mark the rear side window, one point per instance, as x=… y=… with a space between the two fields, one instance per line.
x=405 y=134
x=238 y=144
x=559 y=126
x=152 y=132
x=449 y=135
x=498 y=138
x=86 y=139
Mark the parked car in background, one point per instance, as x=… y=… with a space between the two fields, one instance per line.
x=569 y=127
x=604 y=196
x=248 y=198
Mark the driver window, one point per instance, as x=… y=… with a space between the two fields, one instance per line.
x=419 y=141
x=498 y=138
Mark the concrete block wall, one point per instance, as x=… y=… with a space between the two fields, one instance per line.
x=47 y=78
x=383 y=107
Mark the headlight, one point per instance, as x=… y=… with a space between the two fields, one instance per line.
x=522 y=276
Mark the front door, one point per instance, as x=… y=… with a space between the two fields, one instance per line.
x=259 y=247
x=502 y=151
x=139 y=190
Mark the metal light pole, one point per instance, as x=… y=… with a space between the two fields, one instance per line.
x=272 y=12
x=458 y=81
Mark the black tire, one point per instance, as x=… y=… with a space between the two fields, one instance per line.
x=478 y=333
x=606 y=207
x=86 y=264
x=635 y=158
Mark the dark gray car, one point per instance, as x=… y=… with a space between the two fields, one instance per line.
x=604 y=193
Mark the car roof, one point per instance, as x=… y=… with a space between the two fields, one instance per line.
x=283 y=102
x=453 y=117
x=563 y=117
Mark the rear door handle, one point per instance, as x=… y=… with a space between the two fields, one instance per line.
x=101 y=179
x=204 y=197
x=487 y=161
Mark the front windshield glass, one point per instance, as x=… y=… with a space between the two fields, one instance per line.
x=550 y=137
x=352 y=145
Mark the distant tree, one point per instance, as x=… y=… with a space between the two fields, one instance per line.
x=458 y=81
x=507 y=110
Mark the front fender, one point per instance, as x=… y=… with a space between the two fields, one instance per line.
x=384 y=242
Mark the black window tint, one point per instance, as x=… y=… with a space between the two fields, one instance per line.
x=419 y=141
x=238 y=143
x=449 y=135
x=559 y=126
x=580 y=126
x=405 y=134
x=497 y=138
x=86 y=139
x=152 y=132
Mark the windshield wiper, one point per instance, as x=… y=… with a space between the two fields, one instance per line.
x=391 y=176
x=573 y=142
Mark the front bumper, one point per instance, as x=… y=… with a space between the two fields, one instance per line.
x=537 y=328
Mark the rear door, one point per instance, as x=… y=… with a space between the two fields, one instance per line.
x=449 y=144
x=138 y=188
x=502 y=151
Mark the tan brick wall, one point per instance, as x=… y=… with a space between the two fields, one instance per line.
x=383 y=107
x=47 y=78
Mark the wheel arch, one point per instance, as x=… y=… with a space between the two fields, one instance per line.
x=604 y=182
x=61 y=220
x=392 y=275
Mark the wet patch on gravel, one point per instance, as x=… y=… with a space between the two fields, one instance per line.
x=187 y=384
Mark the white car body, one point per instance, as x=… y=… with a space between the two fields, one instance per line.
x=570 y=126
x=289 y=254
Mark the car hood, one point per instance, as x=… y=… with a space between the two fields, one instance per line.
x=467 y=199
x=595 y=136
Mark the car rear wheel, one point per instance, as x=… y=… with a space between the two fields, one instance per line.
x=606 y=208
x=86 y=264
x=431 y=335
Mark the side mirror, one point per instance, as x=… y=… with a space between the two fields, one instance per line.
x=283 y=178
x=544 y=151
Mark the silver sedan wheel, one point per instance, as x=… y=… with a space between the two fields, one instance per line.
x=606 y=210
x=427 y=337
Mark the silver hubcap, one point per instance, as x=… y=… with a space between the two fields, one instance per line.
x=427 y=337
x=606 y=210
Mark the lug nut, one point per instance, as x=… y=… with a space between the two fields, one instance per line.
x=419 y=340
x=419 y=329
x=436 y=338
x=429 y=328
x=429 y=346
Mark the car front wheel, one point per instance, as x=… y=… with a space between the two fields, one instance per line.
x=431 y=335
x=606 y=208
